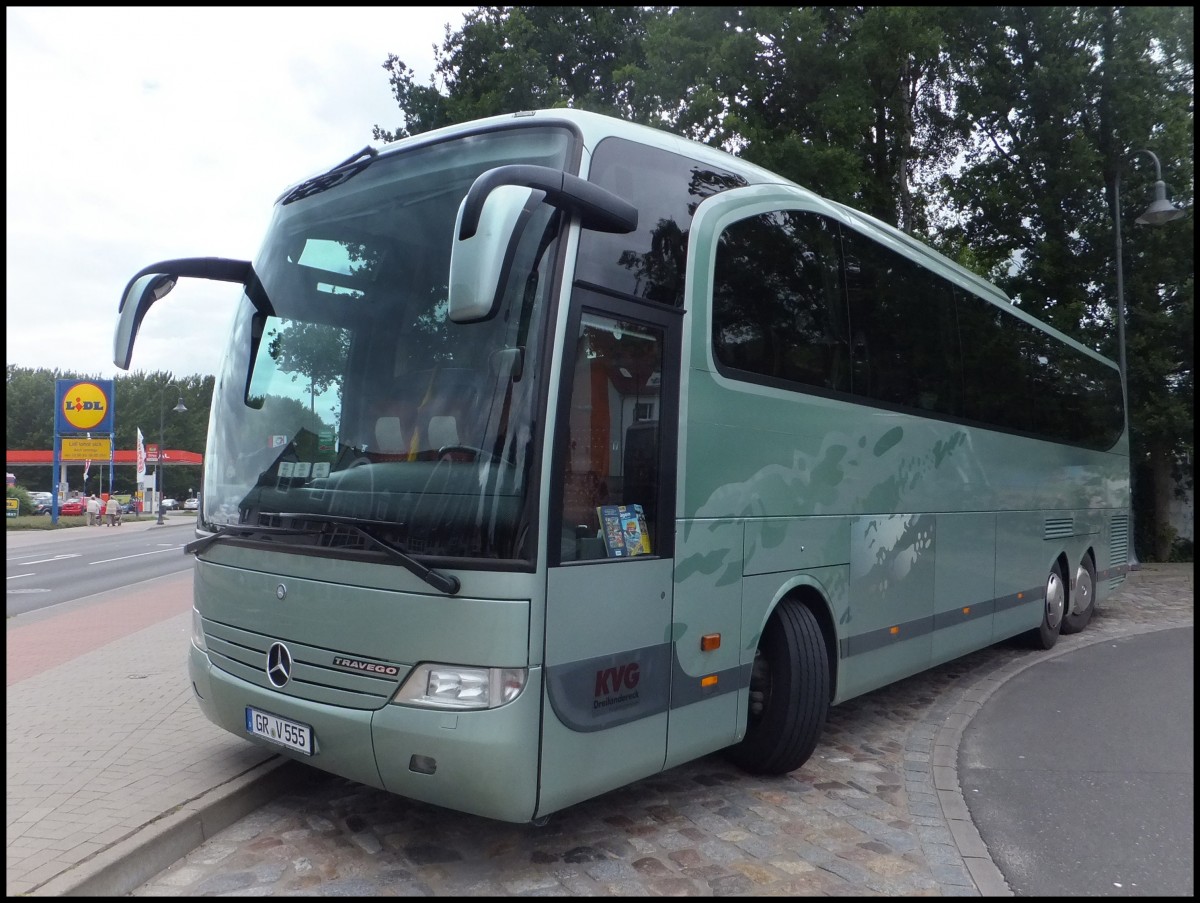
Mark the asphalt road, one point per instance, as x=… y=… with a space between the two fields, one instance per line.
x=1079 y=772
x=42 y=570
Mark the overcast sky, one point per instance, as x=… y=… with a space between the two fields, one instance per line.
x=139 y=135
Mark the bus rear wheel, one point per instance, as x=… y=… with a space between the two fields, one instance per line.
x=1055 y=603
x=789 y=694
x=1083 y=600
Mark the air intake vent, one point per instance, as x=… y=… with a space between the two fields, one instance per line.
x=1059 y=527
x=1118 y=546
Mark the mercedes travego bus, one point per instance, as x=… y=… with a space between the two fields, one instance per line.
x=551 y=451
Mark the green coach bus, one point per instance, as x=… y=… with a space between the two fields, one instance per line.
x=552 y=451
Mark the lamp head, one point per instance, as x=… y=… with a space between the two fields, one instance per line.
x=1162 y=210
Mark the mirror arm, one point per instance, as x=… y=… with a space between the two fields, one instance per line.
x=598 y=208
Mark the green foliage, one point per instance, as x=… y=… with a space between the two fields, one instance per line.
x=1183 y=550
x=24 y=502
x=42 y=522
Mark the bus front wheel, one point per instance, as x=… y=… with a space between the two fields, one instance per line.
x=789 y=694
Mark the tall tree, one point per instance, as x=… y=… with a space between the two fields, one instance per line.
x=1059 y=101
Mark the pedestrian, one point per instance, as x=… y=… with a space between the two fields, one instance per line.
x=112 y=508
x=93 y=511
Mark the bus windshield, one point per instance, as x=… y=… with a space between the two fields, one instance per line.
x=349 y=394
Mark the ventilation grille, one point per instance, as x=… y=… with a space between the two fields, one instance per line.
x=1059 y=527
x=243 y=654
x=1118 y=546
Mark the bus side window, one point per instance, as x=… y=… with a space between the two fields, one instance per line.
x=611 y=457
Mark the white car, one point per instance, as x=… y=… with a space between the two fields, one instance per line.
x=191 y=505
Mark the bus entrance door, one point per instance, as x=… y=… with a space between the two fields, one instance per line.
x=608 y=653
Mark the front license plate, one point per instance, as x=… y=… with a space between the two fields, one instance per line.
x=291 y=734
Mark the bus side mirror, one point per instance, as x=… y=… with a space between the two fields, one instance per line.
x=493 y=215
x=479 y=264
x=141 y=292
x=152 y=283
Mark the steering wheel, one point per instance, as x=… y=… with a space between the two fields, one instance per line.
x=448 y=451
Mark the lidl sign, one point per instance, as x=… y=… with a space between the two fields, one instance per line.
x=84 y=406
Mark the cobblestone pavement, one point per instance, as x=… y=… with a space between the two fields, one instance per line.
x=876 y=810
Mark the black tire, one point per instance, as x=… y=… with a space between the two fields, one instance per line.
x=1053 y=606
x=789 y=694
x=1083 y=599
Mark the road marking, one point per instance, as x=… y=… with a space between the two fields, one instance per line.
x=55 y=558
x=15 y=576
x=138 y=555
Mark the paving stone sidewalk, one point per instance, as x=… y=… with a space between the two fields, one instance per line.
x=104 y=743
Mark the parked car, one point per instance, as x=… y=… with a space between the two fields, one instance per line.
x=41 y=502
x=191 y=505
x=170 y=504
x=129 y=507
x=73 y=507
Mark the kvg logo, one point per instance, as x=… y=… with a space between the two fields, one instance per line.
x=610 y=680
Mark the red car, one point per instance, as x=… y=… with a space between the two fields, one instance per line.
x=72 y=507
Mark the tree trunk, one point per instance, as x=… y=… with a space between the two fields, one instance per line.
x=1161 y=490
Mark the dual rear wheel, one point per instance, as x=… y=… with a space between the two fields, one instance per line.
x=1063 y=611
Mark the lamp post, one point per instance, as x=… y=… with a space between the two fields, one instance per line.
x=1159 y=212
x=162 y=449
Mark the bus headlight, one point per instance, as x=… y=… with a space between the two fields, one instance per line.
x=198 y=631
x=437 y=686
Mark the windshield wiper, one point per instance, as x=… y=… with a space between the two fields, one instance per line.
x=199 y=545
x=347 y=169
x=446 y=583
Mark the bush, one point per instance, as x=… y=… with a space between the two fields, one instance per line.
x=42 y=522
x=1182 y=550
x=24 y=502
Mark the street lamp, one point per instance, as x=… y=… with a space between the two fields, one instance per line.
x=1160 y=212
x=162 y=449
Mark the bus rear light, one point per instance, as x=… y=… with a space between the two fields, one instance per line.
x=437 y=686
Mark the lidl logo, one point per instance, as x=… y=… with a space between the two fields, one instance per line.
x=84 y=405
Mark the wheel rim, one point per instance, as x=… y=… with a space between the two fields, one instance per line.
x=1056 y=599
x=1082 y=603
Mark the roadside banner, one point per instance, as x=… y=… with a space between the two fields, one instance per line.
x=141 y=458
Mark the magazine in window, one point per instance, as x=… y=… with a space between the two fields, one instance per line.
x=624 y=530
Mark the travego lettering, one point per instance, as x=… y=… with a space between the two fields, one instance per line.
x=371 y=667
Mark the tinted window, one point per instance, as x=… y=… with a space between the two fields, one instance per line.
x=778 y=305
x=788 y=308
x=903 y=336
x=666 y=188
